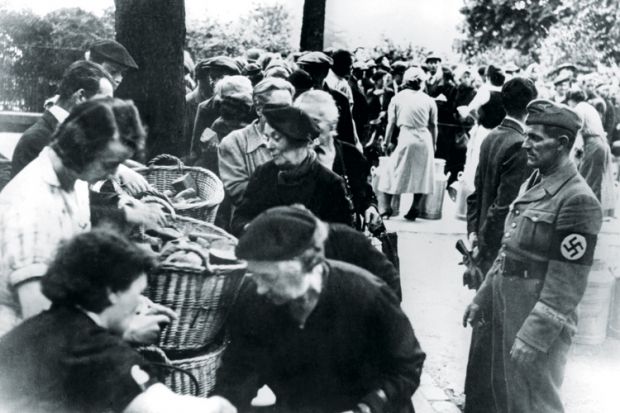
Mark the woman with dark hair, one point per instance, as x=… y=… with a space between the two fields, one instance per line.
x=410 y=165
x=48 y=201
x=72 y=358
x=294 y=174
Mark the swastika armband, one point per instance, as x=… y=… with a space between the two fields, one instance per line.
x=573 y=247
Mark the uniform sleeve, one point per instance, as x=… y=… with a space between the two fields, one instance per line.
x=233 y=170
x=571 y=254
x=401 y=360
x=512 y=174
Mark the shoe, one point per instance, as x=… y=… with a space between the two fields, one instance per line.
x=387 y=213
x=411 y=215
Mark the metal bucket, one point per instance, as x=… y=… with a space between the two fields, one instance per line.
x=593 y=310
x=433 y=202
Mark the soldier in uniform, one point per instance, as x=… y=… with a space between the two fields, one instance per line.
x=541 y=271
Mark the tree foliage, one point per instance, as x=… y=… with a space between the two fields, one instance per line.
x=266 y=27
x=509 y=24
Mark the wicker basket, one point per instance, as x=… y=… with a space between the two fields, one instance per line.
x=209 y=187
x=201 y=296
x=192 y=375
x=5 y=171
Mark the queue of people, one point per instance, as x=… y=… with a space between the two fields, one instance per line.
x=318 y=318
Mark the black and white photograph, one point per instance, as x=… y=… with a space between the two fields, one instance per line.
x=309 y=206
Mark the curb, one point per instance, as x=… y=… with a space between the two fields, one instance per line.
x=430 y=398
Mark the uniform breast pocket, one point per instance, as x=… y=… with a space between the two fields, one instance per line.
x=536 y=230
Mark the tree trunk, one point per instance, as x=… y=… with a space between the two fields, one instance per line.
x=153 y=31
x=313 y=25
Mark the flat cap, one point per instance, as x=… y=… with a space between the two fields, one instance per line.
x=315 y=58
x=414 y=73
x=562 y=77
x=223 y=63
x=399 y=66
x=548 y=113
x=113 y=51
x=432 y=57
x=236 y=87
x=278 y=234
x=291 y=122
x=252 y=69
x=511 y=68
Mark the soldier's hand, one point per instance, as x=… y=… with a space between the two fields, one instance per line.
x=472 y=314
x=522 y=354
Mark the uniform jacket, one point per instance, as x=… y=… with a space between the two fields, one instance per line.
x=356 y=342
x=501 y=171
x=312 y=185
x=32 y=142
x=551 y=227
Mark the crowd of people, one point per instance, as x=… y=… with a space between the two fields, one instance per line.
x=294 y=140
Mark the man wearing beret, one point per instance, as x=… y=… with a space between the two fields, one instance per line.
x=325 y=336
x=541 y=271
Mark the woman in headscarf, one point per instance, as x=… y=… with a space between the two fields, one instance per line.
x=340 y=157
x=410 y=165
x=294 y=175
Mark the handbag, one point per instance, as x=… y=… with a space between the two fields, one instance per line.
x=389 y=244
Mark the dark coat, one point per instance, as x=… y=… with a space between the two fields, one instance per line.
x=356 y=341
x=352 y=166
x=349 y=245
x=61 y=361
x=345 y=119
x=32 y=142
x=501 y=171
x=317 y=188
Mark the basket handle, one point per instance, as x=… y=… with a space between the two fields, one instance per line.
x=165 y=157
x=167 y=365
x=187 y=248
x=157 y=197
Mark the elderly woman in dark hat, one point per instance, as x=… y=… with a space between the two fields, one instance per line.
x=294 y=174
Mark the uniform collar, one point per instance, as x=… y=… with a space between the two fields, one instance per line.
x=557 y=179
x=255 y=138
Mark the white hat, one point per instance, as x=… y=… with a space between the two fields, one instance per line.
x=414 y=73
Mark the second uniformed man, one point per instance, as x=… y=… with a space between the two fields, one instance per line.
x=541 y=271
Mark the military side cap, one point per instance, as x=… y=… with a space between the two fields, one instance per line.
x=291 y=122
x=113 y=51
x=315 y=58
x=548 y=113
x=278 y=234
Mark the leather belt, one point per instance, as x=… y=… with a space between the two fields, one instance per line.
x=523 y=269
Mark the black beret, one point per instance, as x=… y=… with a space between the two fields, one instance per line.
x=278 y=234
x=546 y=112
x=291 y=122
x=112 y=51
x=315 y=58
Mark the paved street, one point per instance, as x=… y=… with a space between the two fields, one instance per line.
x=434 y=300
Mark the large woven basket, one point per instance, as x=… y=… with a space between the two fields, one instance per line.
x=5 y=171
x=201 y=296
x=209 y=187
x=191 y=375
